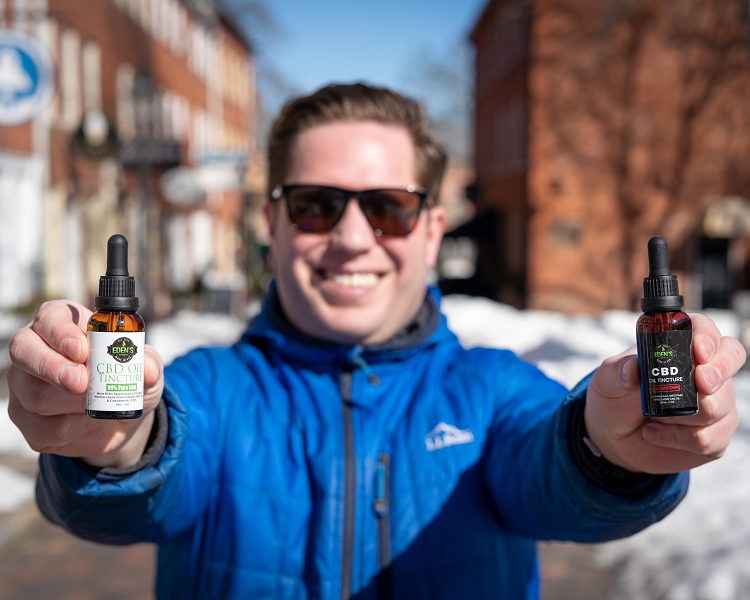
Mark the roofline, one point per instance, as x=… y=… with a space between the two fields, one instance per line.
x=235 y=31
x=488 y=7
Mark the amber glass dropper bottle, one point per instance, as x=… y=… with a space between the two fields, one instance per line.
x=116 y=342
x=665 y=341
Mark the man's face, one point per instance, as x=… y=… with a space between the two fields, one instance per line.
x=348 y=285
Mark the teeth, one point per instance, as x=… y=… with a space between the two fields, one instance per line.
x=354 y=280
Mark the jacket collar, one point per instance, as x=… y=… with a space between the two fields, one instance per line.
x=428 y=327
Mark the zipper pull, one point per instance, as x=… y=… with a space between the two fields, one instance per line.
x=362 y=364
x=381 y=485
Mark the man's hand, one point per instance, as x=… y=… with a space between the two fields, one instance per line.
x=48 y=381
x=666 y=444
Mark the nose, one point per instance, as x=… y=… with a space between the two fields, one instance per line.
x=353 y=233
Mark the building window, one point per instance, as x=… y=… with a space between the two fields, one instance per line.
x=508 y=142
x=20 y=14
x=175 y=117
x=198 y=141
x=183 y=30
x=92 y=76
x=124 y=83
x=172 y=26
x=199 y=50
x=134 y=9
x=144 y=13
x=566 y=232
x=70 y=79
x=166 y=115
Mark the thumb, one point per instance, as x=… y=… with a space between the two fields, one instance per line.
x=153 y=378
x=613 y=405
x=618 y=376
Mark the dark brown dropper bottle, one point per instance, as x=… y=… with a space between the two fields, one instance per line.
x=116 y=342
x=665 y=341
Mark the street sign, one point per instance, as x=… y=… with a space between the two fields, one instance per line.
x=26 y=80
x=181 y=186
x=224 y=158
x=189 y=185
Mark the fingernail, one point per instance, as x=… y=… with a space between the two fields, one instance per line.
x=707 y=347
x=713 y=376
x=69 y=376
x=626 y=374
x=72 y=347
x=650 y=433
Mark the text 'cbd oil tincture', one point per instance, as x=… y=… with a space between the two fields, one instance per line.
x=665 y=341
x=116 y=342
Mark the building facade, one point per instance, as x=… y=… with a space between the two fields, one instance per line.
x=603 y=123
x=150 y=133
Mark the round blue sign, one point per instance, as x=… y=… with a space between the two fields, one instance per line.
x=25 y=77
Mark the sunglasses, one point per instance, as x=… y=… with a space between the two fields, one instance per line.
x=318 y=208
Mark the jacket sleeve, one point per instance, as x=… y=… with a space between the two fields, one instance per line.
x=163 y=498
x=537 y=487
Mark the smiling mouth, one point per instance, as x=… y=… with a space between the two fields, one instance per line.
x=351 y=280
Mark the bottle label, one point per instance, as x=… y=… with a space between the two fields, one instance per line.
x=668 y=371
x=115 y=368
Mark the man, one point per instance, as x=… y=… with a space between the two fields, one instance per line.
x=347 y=446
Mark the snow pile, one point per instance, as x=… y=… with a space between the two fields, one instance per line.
x=11 y=440
x=566 y=348
x=16 y=489
x=188 y=330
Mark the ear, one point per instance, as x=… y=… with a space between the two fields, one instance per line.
x=435 y=231
x=270 y=213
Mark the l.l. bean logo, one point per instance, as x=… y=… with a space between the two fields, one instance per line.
x=122 y=350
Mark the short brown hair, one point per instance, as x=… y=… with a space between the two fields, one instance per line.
x=355 y=102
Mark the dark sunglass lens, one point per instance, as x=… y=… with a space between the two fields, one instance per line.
x=315 y=209
x=393 y=212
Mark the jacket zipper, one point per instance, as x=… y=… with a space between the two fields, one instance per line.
x=382 y=507
x=349 y=485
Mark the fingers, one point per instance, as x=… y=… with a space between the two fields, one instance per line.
x=711 y=408
x=39 y=397
x=706 y=338
x=618 y=376
x=62 y=325
x=709 y=441
x=31 y=354
x=153 y=369
x=46 y=432
x=723 y=364
x=48 y=384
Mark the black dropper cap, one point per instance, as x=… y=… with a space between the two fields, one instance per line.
x=660 y=291
x=117 y=288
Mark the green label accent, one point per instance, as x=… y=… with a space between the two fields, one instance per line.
x=122 y=387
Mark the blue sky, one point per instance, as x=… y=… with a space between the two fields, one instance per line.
x=380 y=42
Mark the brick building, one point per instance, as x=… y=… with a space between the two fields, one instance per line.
x=600 y=123
x=144 y=88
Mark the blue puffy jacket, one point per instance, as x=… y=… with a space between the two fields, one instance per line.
x=296 y=468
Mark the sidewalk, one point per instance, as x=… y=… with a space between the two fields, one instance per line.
x=41 y=561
